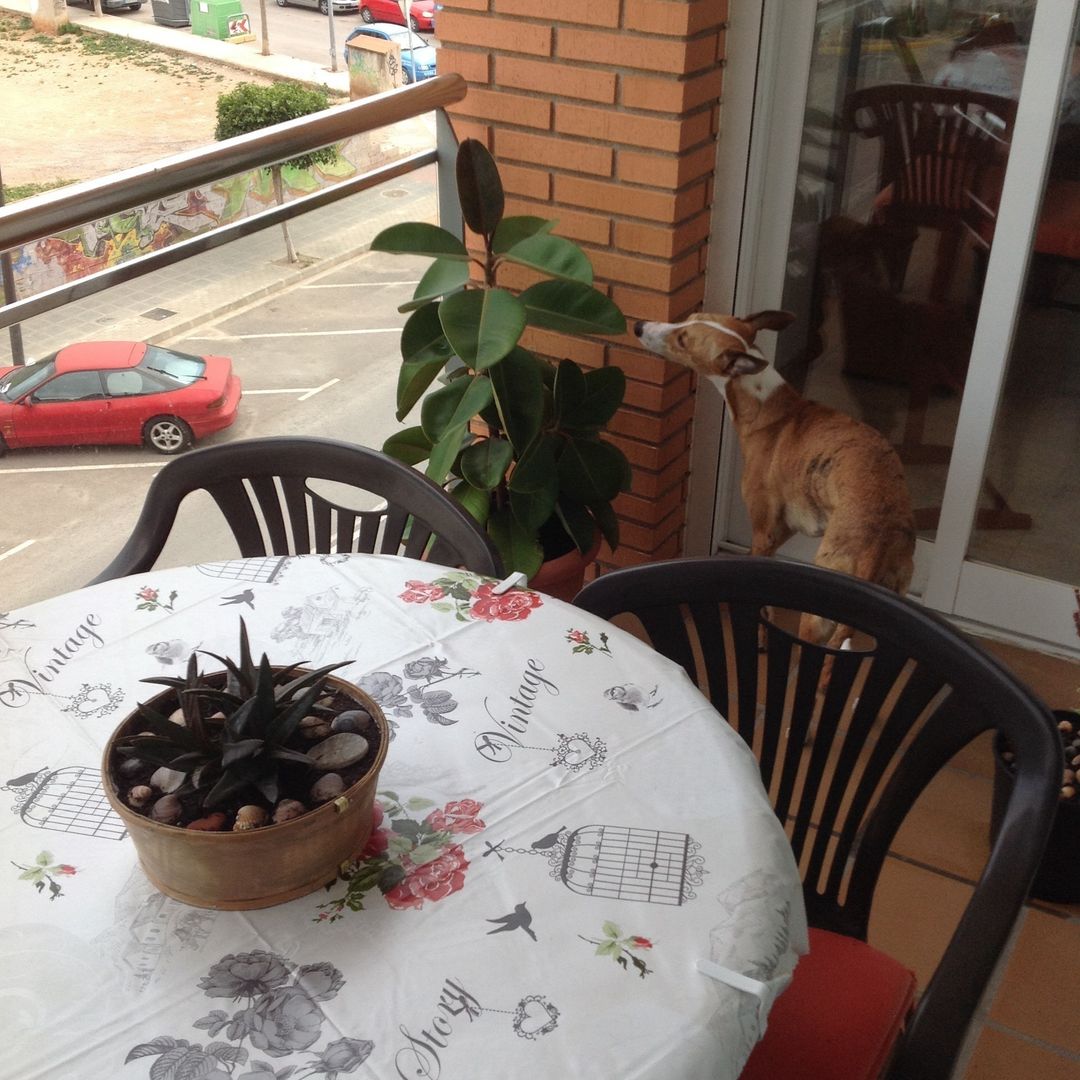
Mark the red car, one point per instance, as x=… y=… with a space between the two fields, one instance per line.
x=117 y=392
x=421 y=12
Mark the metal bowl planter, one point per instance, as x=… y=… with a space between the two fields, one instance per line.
x=263 y=866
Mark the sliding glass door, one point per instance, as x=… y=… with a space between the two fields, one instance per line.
x=905 y=178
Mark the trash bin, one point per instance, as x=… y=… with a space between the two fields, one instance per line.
x=221 y=19
x=171 y=12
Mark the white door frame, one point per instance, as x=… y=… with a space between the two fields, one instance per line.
x=757 y=163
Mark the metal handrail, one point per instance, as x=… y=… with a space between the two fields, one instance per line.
x=66 y=208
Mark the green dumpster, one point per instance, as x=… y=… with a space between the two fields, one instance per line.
x=221 y=19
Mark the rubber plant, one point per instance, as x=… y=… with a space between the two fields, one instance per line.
x=515 y=437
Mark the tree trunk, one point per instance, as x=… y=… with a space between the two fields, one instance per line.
x=262 y=19
x=97 y=8
x=279 y=195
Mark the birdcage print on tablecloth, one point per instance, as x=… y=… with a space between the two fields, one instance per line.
x=265 y=570
x=619 y=863
x=68 y=800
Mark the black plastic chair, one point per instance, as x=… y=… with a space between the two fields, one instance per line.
x=263 y=489
x=843 y=765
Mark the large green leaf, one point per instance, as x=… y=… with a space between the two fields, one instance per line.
x=569 y=391
x=572 y=307
x=513 y=230
x=608 y=522
x=578 y=523
x=519 y=548
x=484 y=464
x=553 y=255
x=482 y=325
x=519 y=395
x=538 y=467
x=424 y=351
x=480 y=190
x=442 y=277
x=533 y=508
x=411 y=446
x=476 y=501
x=605 y=389
x=446 y=449
x=454 y=405
x=590 y=471
x=420 y=238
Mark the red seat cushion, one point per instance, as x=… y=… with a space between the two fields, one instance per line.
x=839 y=1018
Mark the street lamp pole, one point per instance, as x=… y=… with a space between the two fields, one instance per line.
x=7 y=275
x=333 y=42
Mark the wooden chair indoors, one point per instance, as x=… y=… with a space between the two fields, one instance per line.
x=942 y=152
x=843 y=766
x=263 y=488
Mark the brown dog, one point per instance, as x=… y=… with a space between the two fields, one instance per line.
x=808 y=468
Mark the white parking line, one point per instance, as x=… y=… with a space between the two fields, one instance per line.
x=15 y=550
x=318 y=333
x=83 y=468
x=318 y=389
x=359 y=284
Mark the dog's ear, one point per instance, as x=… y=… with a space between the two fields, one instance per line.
x=741 y=363
x=769 y=320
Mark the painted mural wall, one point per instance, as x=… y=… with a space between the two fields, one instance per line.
x=57 y=260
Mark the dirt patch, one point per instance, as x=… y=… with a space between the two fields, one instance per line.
x=82 y=105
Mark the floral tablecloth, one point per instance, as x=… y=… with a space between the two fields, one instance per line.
x=574 y=859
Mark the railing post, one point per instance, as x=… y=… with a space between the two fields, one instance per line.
x=446 y=145
x=7 y=274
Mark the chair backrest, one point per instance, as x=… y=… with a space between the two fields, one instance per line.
x=937 y=142
x=263 y=488
x=847 y=739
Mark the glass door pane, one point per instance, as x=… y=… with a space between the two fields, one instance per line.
x=1035 y=447
x=907 y=127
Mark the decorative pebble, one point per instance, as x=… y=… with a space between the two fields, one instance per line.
x=327 y=787
x=1066 y=726
x=166 y=779
x=288 y=809
x=250 y=817
x=140 y=796
x=339 y=751
x=167 y=810
x=131 y=766
x=211 y=823
x=314 y=727
x=177 y=717
x=1068 y=791
x=353 y=720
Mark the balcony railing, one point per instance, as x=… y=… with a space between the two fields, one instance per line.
x=71 y=207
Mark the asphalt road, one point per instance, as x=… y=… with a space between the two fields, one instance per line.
x=320 y=358
x=299 y=32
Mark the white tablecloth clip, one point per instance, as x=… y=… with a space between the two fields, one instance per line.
x=511 y=582
x=765 y=992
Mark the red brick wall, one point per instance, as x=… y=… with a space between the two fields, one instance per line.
x=603 y=114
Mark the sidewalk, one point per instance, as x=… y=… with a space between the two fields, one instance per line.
x=168 y=302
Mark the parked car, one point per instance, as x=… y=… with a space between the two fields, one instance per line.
x=110 y=5
x=341 y=7
x=100 y=392
x=417 y=57
x=421 y=12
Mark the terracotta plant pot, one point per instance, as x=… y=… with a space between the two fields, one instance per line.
x=563 y=577
x=1058 y=877
x=259 y=867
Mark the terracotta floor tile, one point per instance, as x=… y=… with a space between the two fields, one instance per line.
x=948 y=827
x=914 y=914
x=978 y=757
x=1041 y=983
x=1002 y=1056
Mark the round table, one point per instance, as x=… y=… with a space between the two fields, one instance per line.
x=576 y=871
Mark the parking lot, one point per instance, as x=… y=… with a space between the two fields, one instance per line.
x=319 y=358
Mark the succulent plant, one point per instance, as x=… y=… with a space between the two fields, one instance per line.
x=234 y=738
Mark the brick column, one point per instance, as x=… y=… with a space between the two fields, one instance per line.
x=603 y=114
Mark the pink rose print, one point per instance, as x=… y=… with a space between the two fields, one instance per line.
x=431 y=881
x=150 y=599
x=420 y=592
x=640 y=942
x=510 y=607
x=456 y=817
x=66 y=869
x=146 y=593
x=578 y=637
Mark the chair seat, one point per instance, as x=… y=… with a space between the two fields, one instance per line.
x=839 y=1018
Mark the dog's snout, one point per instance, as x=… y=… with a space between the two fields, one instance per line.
x=639 y=326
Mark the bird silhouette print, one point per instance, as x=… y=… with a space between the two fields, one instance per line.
x=519 y=919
